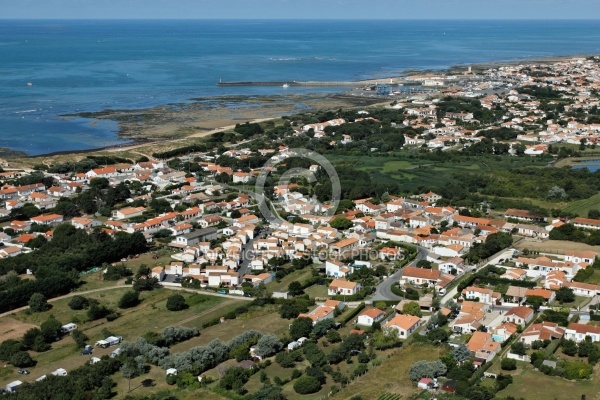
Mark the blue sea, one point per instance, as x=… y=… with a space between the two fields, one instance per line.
x=93 y=65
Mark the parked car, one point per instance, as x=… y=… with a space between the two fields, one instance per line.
x=23 y=372
x=222 y=291
x=247 y=295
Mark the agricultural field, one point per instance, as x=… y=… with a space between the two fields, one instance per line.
x=392 y=375
x=554 y=246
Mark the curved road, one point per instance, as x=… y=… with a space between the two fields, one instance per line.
x=384 y=290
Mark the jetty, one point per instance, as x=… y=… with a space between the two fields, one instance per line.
x=295 y=83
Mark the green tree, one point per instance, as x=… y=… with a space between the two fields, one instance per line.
x=22 y=359
x=129 y=299
x=412 y=308
x=301 y=327
x=176 y=302
x=508 y=364
x=307 y=384
x=38 y=303
x=565 y=295
x=78 y=303
x=295 y=288
x=341 y=223
x=50 y=329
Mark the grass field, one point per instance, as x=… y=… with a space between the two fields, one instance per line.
x=392 y=375
x=581 y=207
x=532 y=385
x=555 y=246
x=300 y=276
x=150 y=315
x=265 y=319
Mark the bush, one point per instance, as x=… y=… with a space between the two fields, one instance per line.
x=176 y=302
x=307 y=384
x=508 y=364
x=22 y=359
x=38 y=303
x=78 y=303
x=112 y=316
x=79 y=337
x=129 y=299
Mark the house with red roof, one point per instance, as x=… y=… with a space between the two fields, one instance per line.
x=369 y=316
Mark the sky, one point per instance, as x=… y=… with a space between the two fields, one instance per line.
x=299 y=9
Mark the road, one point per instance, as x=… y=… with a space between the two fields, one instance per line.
x=384 y=290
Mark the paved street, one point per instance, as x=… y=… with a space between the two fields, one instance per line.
x=384 y=290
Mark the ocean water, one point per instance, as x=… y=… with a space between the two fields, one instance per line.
x=93 y=65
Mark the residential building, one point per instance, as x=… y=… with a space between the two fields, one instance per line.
x=578 y=332
x=370 y=316
x=519 y=315
x=404 y=325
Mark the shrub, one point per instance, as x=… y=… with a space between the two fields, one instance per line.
x=78 y=303
x=307 y=384
x=508 y=364
x=38 y=303
x=22 y=359
x=176 y=302
x=129 y=299
x=112 y=316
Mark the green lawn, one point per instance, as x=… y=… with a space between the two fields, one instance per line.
x=581 y=207
x=300 y=276
x=530 y=384
x=580 y=301
x=316 y=291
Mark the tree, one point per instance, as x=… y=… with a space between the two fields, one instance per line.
x=424 y=264
x=132 y=367
x=176 y=302
x=565 y=295
x=322 y=327
x=78 y=303
x=333 y=337
x=307 y=384
x=50 y=329
x=518 y=348
x=269 y=392
x=129 y=299
x=38 y=303
x=438 y=335
x=535 y=302
x=301 y=327
x=585 y=347
x=508 y=364
x=385 y=339
x=234 y=379
x=22 y=359
x=461 y=353
x=412 y=308
x=427 y=369
x=268 y=345
x=285 y=360
x=569 y=347
x=295 y=288
x=341 y=223
x=79 y=337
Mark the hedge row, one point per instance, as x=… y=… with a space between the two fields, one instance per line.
x=353 y=314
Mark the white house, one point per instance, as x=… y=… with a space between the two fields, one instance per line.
x=404 y=325
x=342 y=286
x=519 y=315
x=578 y=332
x=370 y=316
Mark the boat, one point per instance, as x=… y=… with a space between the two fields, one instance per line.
x=29 y=84
x=285 y=85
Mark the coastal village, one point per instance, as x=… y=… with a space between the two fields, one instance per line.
x=401 y=266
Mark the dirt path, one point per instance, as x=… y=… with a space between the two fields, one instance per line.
x=225 y=303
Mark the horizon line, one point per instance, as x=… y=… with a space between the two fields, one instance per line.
x=290 y=19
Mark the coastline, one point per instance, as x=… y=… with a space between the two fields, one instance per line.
x=203 y=116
